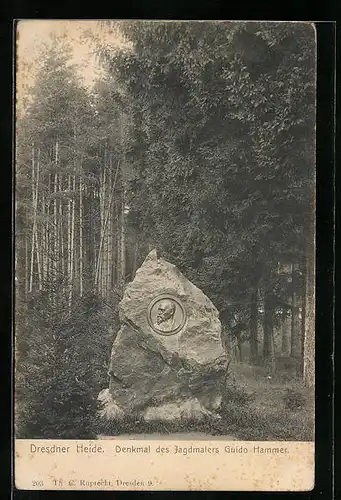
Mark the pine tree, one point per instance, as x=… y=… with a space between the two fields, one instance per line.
x=222 y=158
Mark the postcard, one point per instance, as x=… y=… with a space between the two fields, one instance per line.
x=165 y=255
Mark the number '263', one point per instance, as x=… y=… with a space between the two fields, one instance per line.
x=37 y=483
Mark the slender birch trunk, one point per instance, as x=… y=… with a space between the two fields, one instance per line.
x=55 y=225
x=80 y=236
x=134 y=259
x=104 y=228
x=27 y=258
x=36 y=224
x=104 y=249
x=48 y=229
x=33 y=223
x=99 y=273
x=61 y=228
x=113 y=245
x=72 y=246
x=35 y=243
x=93 y=233
x=117 y=242
x=69 y=231
x=26 y=266
x=109 y=240
x=43 y=238
x=122 y=242
x=122 y=208
x=55 y=208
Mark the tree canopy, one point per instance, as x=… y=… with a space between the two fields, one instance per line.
x=222 y=156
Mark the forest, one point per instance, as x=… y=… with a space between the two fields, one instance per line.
x=197 y=139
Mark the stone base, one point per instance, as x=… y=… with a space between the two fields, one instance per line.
x=181 y=410
x=109 y=410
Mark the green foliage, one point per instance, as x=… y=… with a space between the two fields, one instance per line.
x=222 y=156
x=62 y=367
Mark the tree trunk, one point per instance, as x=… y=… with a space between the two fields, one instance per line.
x=101 y=245
x=69 y=233
x=20 y=263
x=48 y=231
x=43 y=239
x=93 y=235
x=122 y=242
x=117 y=242
x=134 y=265
x=309 y=340
x=26 y=265
x=35 y=242
x=80 y=236
x=72 y=246
x=269 y=348
x=36 y=224
x=254 y=326
x=105 y=224
x=102 y=240
x=55 y=224
x=61 y=257
x=105 y=232
x=56 y=232
x=109 y=236
x=296 y=339
x=226 y=339
x=303 y=304
x=266 y=342
x=286 y=331
x=122 y=207
x=33 y=222
x=114 y=244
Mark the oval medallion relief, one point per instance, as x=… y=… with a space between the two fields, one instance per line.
x=166 y=315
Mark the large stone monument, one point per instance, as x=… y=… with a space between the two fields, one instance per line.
x=167 y=361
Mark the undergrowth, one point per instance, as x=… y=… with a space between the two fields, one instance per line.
x=61 y=369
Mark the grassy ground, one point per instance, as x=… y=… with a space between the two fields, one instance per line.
x=259 y=407
x=256 y=407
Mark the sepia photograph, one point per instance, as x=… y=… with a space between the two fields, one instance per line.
x=165 y=230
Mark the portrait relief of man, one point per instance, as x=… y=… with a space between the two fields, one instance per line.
x=165 y=316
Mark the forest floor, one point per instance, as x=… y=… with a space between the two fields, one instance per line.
x=257 y=408
x=178 y=436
